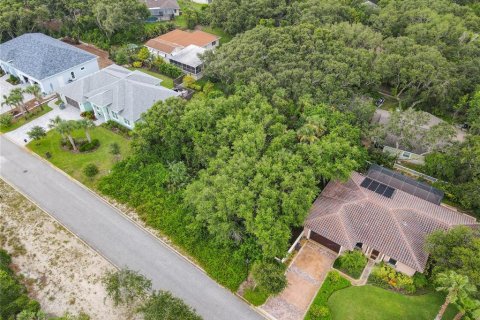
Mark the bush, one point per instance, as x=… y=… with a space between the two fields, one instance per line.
x=6 y=120
x=163 y=305
x=166 y=68
x=13 y=80
x=386 y=277
x=140 y=182
x=352 y=263
x=332 y=283
x=269 y=276
x=36 y=133
x=88 y=115
x=89 y=146
x=117 y=128
x=137 y=64
x=114 y=148
x=90 y=170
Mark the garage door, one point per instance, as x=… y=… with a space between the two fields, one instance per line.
x=325 y=242
x=72 y=102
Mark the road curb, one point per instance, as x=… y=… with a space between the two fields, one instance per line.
x=256 y=309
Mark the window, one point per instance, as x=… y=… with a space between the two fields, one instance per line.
x=214 y=43
x=114 y=115
x=82 y=68
x=359 y=245
x=126 y=121
x=406 y=154
x=392 y=261
x=72 y=74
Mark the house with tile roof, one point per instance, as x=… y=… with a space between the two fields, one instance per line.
x=36 y=58
x=384 y=214
x=116 y=94
x=162 y=10
x=183 y=48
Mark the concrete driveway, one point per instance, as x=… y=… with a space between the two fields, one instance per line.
x=5 y=89
x=116 y=237
x=69 y=113
x=305 y=276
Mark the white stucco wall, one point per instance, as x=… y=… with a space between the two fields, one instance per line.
x=57 y=81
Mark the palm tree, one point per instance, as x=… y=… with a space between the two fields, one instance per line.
x=86 y=124
x=7 y=101
x=36 y=92
x=65 y=128
x=455 y=285
x=467 y=304
x=54 y=122
x=312 y=130
x=16 y=98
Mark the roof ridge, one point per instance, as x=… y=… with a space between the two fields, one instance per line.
x=402 y=234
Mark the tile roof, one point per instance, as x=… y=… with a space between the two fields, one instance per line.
x=129 y=93
x=41 y=56
x=180 y=39
x=347 y=213
x=162 y=4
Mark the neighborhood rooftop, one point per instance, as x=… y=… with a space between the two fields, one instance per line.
x=190 y=56
x=41 y=56
x=129 y=93
x=181 y=39
x=154 y=4
x=396 y=225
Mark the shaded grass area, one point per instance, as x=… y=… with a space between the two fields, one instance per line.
x=74 y=163
x=167 y=81
x=374 y=303
x=26 y=119
x=143 y=185
x=256 y=296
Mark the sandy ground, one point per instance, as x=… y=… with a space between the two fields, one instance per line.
x=61 y=272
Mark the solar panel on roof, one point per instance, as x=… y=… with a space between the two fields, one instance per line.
x=406 y=184
x=381 y=188
x=388 y=192
x=373 y=186
x=366 y=182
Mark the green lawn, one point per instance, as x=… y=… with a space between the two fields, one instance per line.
x=22 y=120
x=224 y=37
x=167 y=81
x=374 y=303
x=73 y=163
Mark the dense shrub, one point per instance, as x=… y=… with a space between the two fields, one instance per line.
x=137 y=64
x=6 y=120
x=13 y=80
x=165 y=68
x=89 y=146
x=88 y=115
x=270 y=276
x=332 y=283
x=142 y=184
x=117 y=128
x=114 y=148
x=90 y=170
x=13 y=295
x=163 y=305
x=352 y=263
x=386 y=277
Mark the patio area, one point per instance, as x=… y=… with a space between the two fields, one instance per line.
x=305 y=276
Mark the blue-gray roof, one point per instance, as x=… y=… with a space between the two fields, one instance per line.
x=41 y=56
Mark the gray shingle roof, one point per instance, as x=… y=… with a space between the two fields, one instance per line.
x=129 y=93
x=41 y=56
x=162 y=4
x=346 y=213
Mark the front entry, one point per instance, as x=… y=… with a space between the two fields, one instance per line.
x=325 y=242
x=374 y=254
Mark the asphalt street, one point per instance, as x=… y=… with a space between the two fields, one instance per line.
x=116 y=237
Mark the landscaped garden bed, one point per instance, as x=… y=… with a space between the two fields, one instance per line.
x=351 y=263
x=319 y=309
x=26 y=118
x=117 y=128
x=50 y=148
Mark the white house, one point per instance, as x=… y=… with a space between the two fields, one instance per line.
x=39 y=59
x=116 y=94
x=162 y=10
x=183 y=48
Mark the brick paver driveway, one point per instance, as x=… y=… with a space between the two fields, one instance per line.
x=305 y=276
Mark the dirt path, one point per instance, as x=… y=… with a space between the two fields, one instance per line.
x=61 y=272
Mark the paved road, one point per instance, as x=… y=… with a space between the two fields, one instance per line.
x=116 y=237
